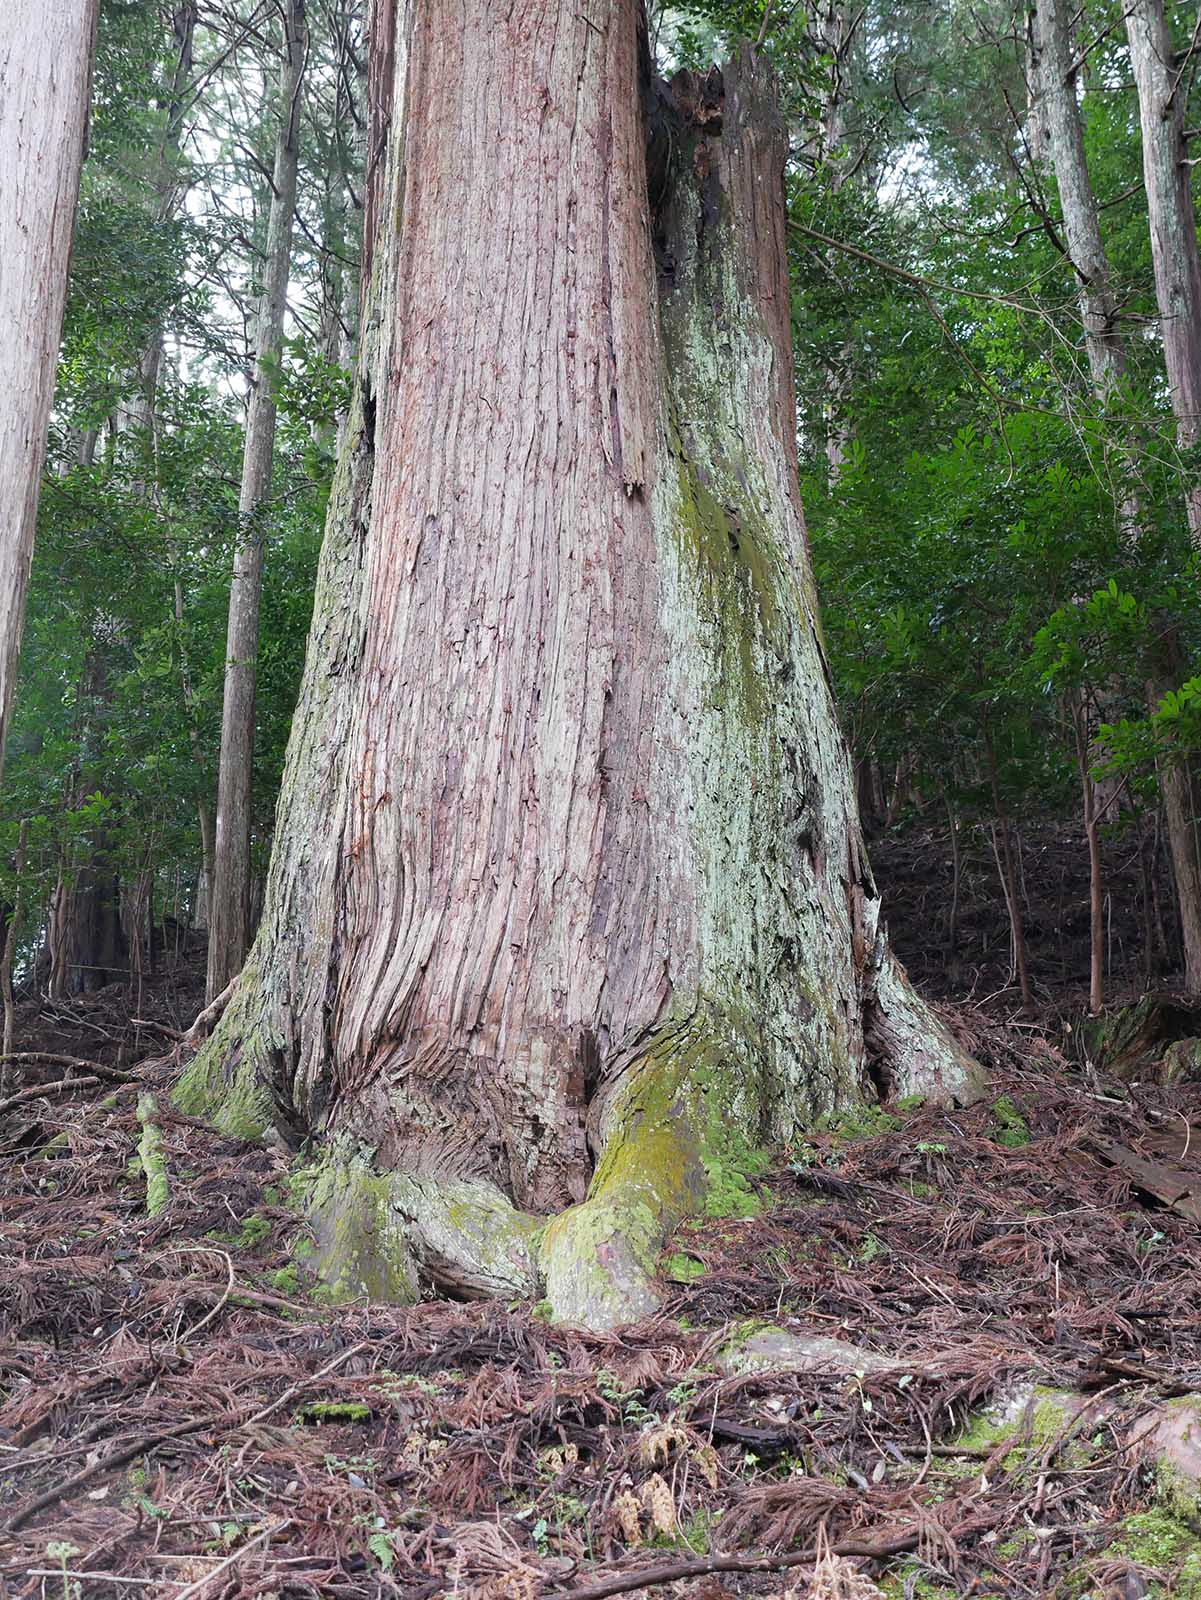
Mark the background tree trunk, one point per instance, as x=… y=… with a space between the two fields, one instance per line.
x=1080 y=712
x=229 y=909
x=1162 y=93
x=569 y=910
x=12 y=930
x=45 y=54
x=1107 y=365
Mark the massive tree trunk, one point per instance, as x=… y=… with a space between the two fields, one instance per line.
x=45 y=57
x=229 y=909
x=569 y=911
x=1162 y=92
x=1107 y=364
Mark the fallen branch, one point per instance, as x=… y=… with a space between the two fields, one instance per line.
x=156 y=1027
x=904 y=1540
x=46 y=1088
x=208 y=1018
x=153 y=1157
x=1173 y=1386
x=95 y=1577
x=241 y=1295
x=76 y=1063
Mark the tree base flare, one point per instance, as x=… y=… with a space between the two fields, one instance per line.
x=677 y=1142
x=379 y=1235
x=681 y=1133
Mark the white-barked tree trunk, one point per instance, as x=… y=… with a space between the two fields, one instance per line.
x=45 y=66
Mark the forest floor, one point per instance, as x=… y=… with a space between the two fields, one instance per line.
x=924 y=1368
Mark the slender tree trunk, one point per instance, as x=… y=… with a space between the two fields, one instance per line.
x=1107 y=364
x=568 y=909
x=229 y=912
x=1007 y=870
x=85 y=940
x=1096 y=891
x=172 y=187
x=45 y=57
x=956 y=874
x=833 y=28
x=1178 y=787
x=1162 y=87
x=7 y=960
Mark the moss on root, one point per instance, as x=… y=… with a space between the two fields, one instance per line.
x=360 y=1250
x=375 y=1232
x=220 y=1083
x=679 y=1141
x=153 y=1157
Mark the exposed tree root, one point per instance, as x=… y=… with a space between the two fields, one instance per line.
x=598 y=1258
x=679 y=1132
x=378 y=1233
x=208 y=1019
x=153 y=1157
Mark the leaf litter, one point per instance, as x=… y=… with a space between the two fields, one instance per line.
x=179 y=1417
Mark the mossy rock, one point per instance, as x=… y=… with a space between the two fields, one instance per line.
x=1158 y=1040
x=763 y=1347
x=1168 y=1440
x=1155 y=1541
x=1033 y=1416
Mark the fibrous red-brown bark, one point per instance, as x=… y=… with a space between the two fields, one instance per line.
x=569 y=908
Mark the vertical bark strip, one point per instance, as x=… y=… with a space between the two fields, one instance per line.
x=568 y=869
x=229 y=913
x=45 y=58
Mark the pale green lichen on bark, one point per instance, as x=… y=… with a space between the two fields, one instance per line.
x=744 y=658
x=152 y=1157
x=377 y=1232
x=493 y=1244
x=361 y=1251
x=679 y=1140
x=229 y=1094
x=736 y=589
